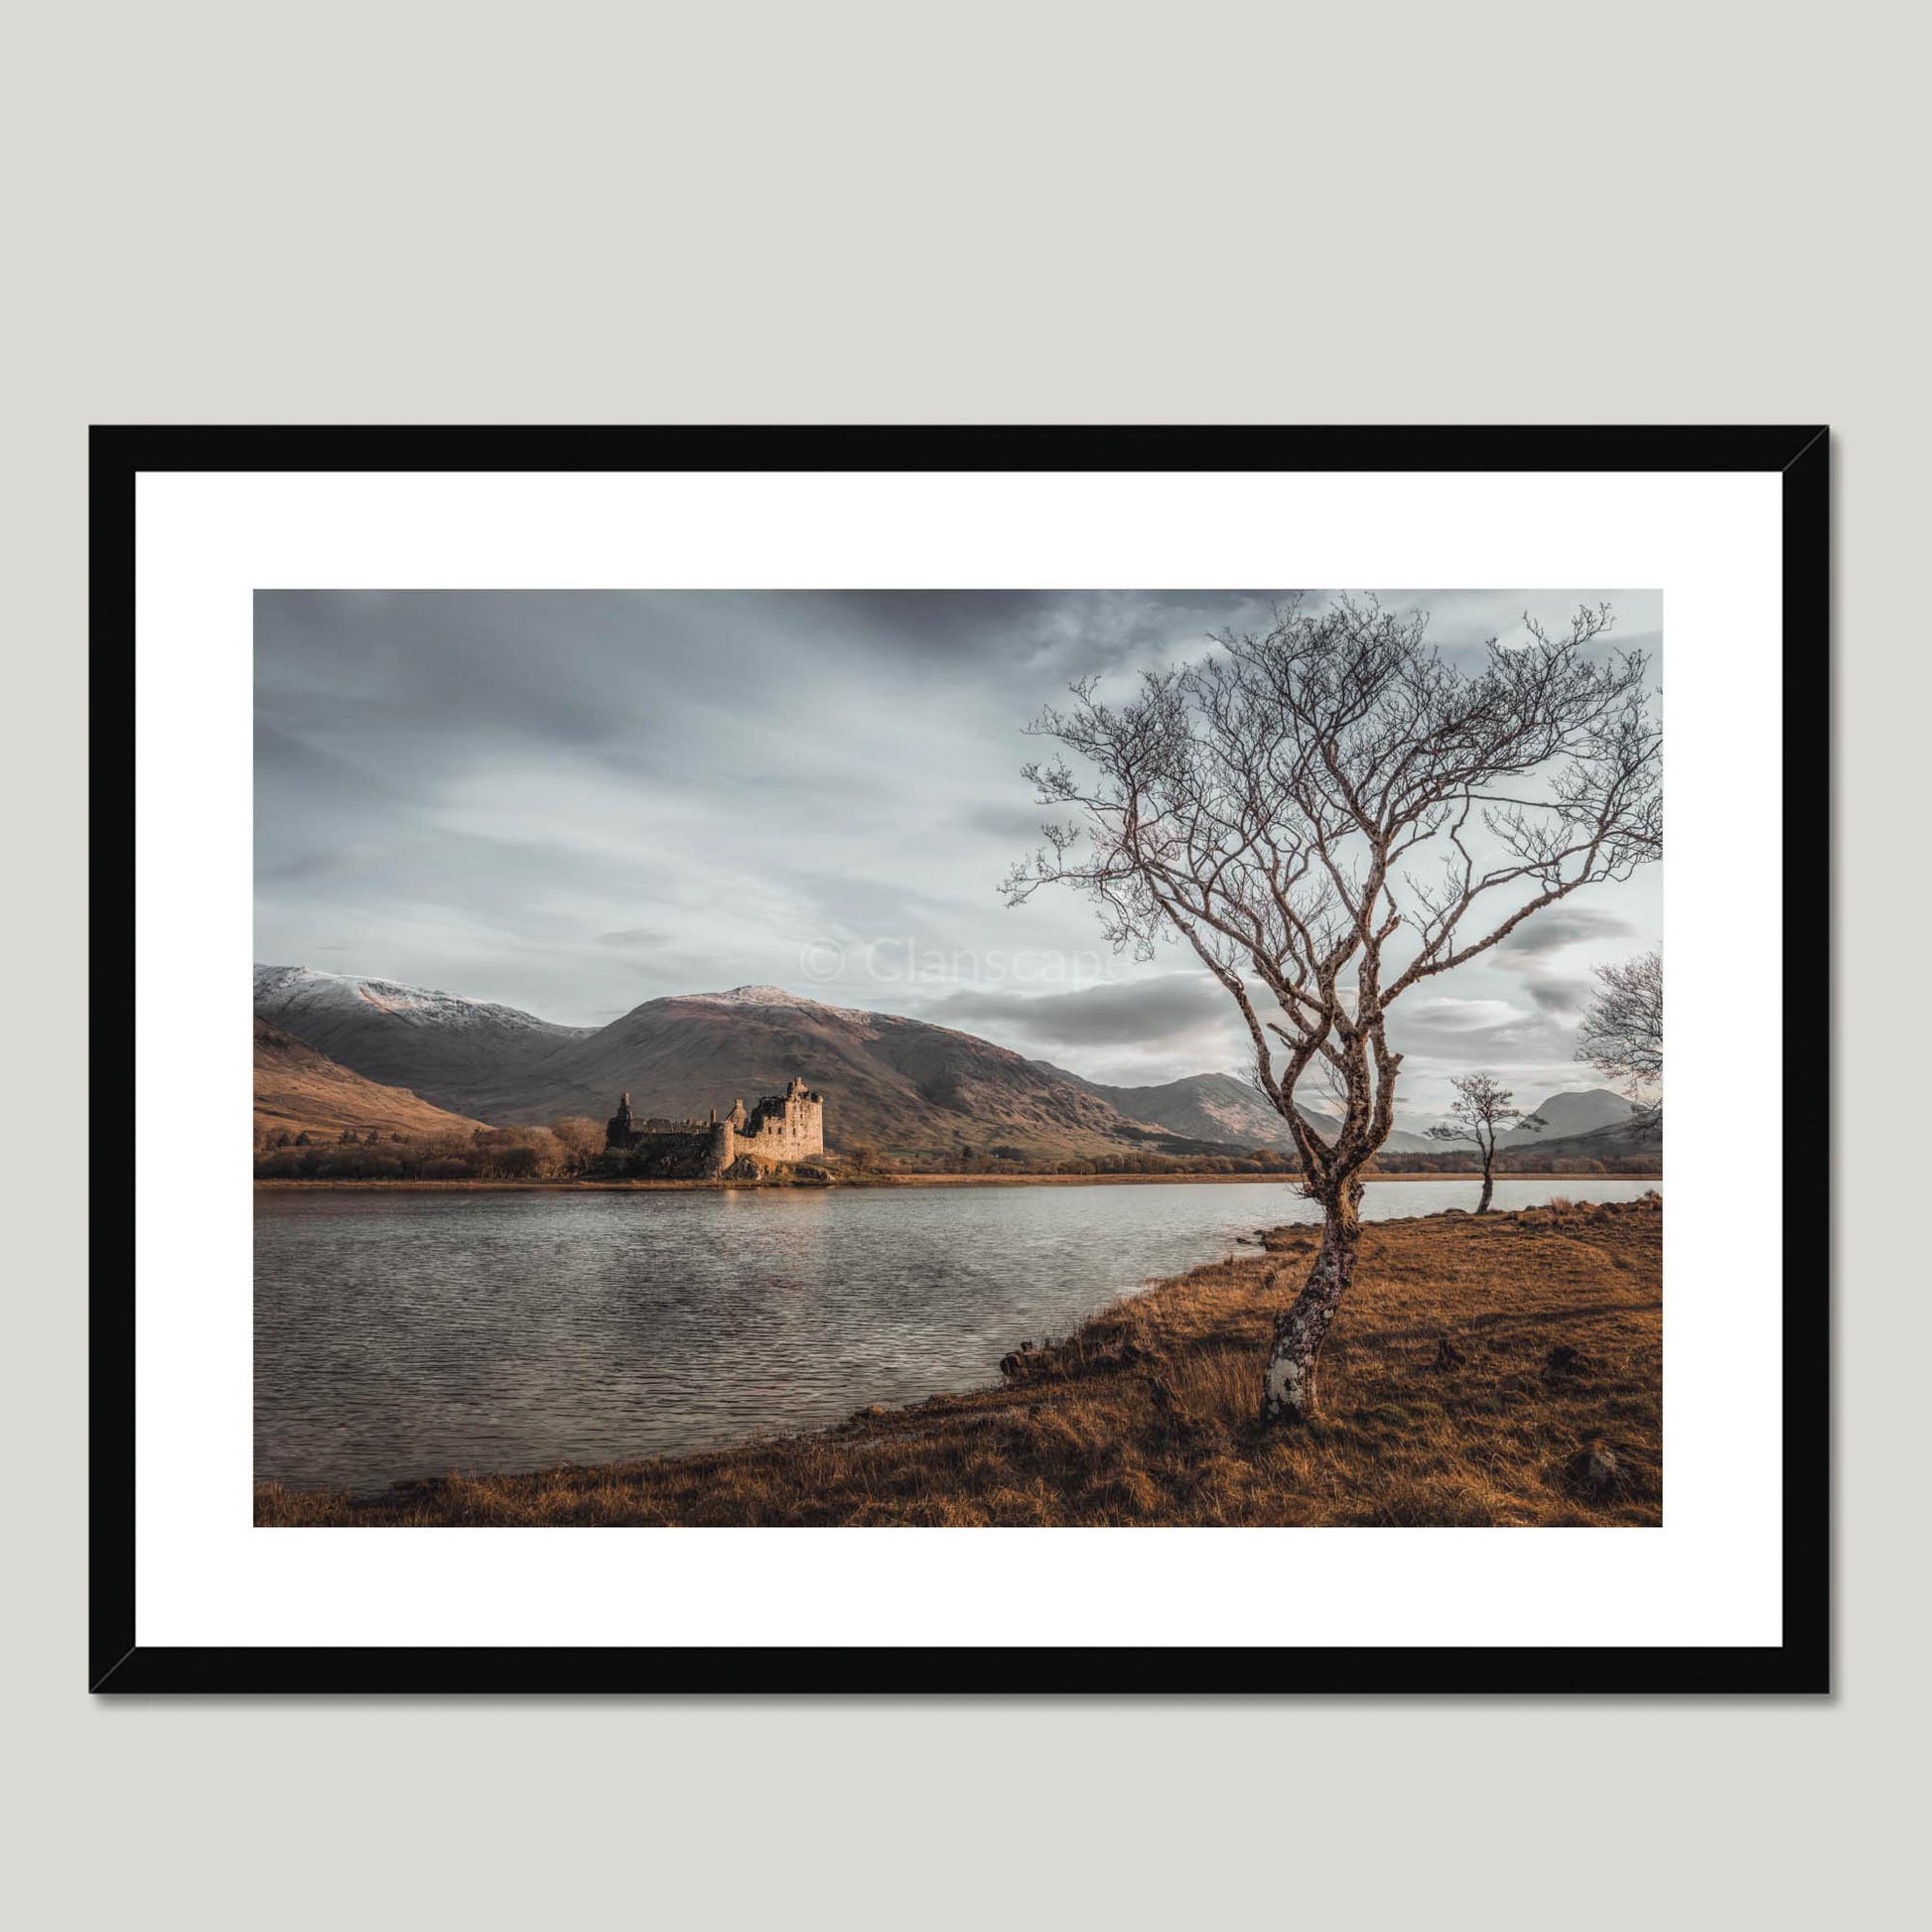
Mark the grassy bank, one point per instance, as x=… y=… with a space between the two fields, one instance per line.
x=1144 y=1415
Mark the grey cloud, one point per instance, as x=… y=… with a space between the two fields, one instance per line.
x=1475 y=1031
x=1019 y=825
x=1557 y=995
x=1122 y=1014
x=456 y=787
x=1557 y=926
x=1085 y=630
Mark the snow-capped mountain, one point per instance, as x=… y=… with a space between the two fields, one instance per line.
x=302 y=989
x=467 y=1055
x=771 y=996
x=753 y=996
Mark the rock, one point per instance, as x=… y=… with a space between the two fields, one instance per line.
x=1023 y=1363
x=1594 y=1473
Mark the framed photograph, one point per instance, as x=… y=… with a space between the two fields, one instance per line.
x=1010 y=1059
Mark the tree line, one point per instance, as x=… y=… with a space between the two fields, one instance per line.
x=566 y=1150
x=573 y=1150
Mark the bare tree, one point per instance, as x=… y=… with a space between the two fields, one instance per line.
x=1622 y=1035
x=1330 y=814
x=1478 y=1111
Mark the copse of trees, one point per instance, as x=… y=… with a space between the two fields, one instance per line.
x=573 y=1150
x=1517 y=1160
x=565 y=1150
x=1330 y=814
x=863 y=1163
x=486 y=1154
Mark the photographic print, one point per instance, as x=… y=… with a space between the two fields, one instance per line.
x=1056 y=1037
x=1108 y=1057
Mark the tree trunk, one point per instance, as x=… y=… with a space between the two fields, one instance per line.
x=1488 y=1189
x=1288 y=1387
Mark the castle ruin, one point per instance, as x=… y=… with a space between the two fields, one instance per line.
x=780 y=1131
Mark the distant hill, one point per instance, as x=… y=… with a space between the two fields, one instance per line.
x=1626 y=1140
x=1218 y=1107
x=1202 y=1106
x=900 y=1085
x=299 y=1090
x=467 y=1055
x=1569 y=1114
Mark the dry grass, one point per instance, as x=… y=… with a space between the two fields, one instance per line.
x=1144 y=1415
x=299 y=1090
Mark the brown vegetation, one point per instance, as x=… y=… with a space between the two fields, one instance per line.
x=301 y=1091
x=1501 y=1371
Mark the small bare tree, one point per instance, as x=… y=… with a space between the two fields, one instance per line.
x=1478 y=1112
x=1622 y=1035
x=1330 y=814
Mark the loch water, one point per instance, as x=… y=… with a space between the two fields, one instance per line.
x=411 y=1334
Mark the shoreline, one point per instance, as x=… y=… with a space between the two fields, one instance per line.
x=888 y=1180
x=1145 y=1413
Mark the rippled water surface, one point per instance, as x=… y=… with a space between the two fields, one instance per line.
x=401 y=1334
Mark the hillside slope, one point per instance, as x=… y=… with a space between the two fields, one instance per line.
x=1627 y=1140
x=897 y=1084
x=469 y=1056
x=299 y=1090
x=1568 y=1114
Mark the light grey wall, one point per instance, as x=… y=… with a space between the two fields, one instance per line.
x=1120 y=213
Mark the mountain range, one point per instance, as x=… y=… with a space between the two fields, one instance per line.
x=903 y=1086
x=1218 y=1107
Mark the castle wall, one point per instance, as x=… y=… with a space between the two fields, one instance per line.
x=784 y=1130
x=698 y=1151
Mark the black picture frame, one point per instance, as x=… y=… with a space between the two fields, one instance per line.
x=1799 y=455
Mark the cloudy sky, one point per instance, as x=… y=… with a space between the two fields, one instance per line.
x=574 y=801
